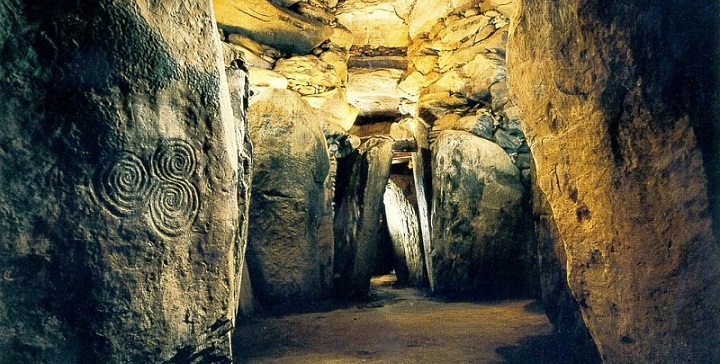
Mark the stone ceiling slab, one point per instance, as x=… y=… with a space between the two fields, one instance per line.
x=375 y=22
x=374 y=92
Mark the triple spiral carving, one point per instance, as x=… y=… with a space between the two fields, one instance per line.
x=128 y=188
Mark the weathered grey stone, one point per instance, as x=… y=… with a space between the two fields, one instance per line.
x=403 y=226
x=290 y=257
x=476 y=217
x=285 y=3
x=481 y=124
x=512 y=125
x=507 y=141
x=270 y=24
x=362 y=178
x=523 y=160
x=421 y=161
x=119 y=232
x=621 y=163
x=499 y=95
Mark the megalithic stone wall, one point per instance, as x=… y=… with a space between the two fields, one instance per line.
x=118 y=194
x=617 y=99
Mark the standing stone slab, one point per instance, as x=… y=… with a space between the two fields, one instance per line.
x=574 y=341
x=358 y=213
x=404 y=228
x=238 y=85
x=119 y=168
x=615 y=137
x=290 y=256
x=421 y=162
x=476 y=213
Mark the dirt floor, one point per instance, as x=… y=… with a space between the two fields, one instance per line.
x=399 y=325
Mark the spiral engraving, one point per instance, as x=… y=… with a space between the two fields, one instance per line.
x=123 y=185
x=174 y=159
x=127 y=188
x=173 y=206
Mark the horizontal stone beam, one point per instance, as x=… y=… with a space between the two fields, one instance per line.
x=270 y=24
x=395 y=62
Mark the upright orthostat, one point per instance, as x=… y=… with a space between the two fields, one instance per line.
x=620 y=102
x=120 y=240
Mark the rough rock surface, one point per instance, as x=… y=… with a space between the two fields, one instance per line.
x=477 y=194
x=374 y=91
x=403 y=226
x=308 y=74
x=575 y=342
x=426 y=13
x=267 y=23
x=290 y=258
x=262 y=78
x=457 y=77
x=119 y=228
x=376 y=23
x=362 y=178
x=609 y=92
x=238 y=86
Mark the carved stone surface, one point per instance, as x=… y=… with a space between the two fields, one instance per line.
x=290 y=252
x=119 y=230
x=362 y=178
x=617 y=111
x=127 y=189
